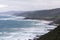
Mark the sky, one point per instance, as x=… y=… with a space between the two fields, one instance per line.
x=28 y=5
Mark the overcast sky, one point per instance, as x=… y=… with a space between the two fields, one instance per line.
x=28 y=5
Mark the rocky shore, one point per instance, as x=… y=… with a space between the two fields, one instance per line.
x=53 y=34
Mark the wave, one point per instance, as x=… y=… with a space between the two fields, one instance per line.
x=39 y=27
x=23 y=33
x=10 y=17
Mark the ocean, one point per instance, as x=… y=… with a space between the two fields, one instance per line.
x=17 y=28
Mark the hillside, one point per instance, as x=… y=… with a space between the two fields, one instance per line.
x=51 y=14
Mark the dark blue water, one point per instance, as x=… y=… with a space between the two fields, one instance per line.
x=14 y=24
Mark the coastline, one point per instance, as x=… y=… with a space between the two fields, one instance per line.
x=48 y=36
x=49 y=23
x=52 y=35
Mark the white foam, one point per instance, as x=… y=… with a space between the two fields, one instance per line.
x=11 y=17
x=26 y=33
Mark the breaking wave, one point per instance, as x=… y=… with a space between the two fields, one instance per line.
x=18 y=28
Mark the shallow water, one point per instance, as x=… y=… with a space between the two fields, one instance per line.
x=15 y=28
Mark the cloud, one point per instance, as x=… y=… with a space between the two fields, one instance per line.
x=3 y=6
x=29 y=5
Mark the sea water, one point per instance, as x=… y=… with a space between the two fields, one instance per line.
x=18 y=28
